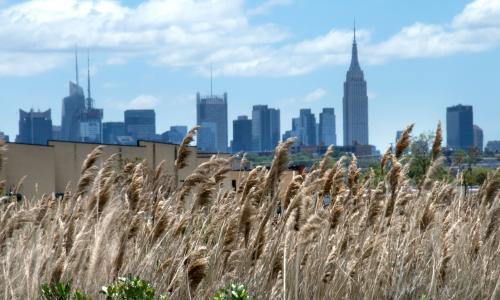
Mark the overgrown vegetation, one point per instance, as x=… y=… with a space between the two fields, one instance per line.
x=374 y=241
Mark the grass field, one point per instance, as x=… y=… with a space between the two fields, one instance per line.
x=381 y=240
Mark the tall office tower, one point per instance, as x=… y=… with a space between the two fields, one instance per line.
x=274 y=127
x=91 y=117
x=175 y=135
x=295 y=132
x=265 y=128
x=72 y=109
x=34 y=127
x=140 y=124
x=327 y=128
x=459 y=127
x=355 y=102
x=242 y=134
x=56 y=132
x=478 y=138
x=308 y=127
x=211 y=115
x=111 y=131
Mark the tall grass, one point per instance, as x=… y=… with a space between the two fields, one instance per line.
x=373 y=241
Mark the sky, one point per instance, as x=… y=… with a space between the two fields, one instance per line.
x=418 y=58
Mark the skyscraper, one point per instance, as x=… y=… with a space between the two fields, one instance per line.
x=34 y=127
x=355 y=102
x=72 y=109
x=459 y=127
x=242 y=134
x=211 y=115
x=478 y=138
x=265 y=128
x=111 y=131
x=307 y=123
x=91 y=117
x=175 y=135
x=140 y=124
x=327 y=128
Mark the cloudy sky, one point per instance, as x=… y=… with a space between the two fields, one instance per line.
x=418 y=57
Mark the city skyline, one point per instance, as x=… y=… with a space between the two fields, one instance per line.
x=411 y=87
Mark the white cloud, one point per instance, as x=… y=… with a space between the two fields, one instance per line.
x=194 y=34
x=267 y=6
x=315 y=95
x=141 y=102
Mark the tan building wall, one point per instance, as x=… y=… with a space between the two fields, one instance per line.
x=34 y=161
x=52 y=168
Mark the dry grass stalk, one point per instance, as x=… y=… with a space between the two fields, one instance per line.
x=404 y=141
x=439 y=243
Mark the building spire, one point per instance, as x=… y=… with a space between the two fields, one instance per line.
x=355 y=30
x=211 y=81
x=89 y=99
x=354 y=54
x=76 y=64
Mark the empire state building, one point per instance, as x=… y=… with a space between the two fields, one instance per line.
x=355 y=102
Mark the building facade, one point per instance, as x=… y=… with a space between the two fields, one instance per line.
x=211 y=115
x=478 y=138
x=355 y=103
x=493 y=147
x=34 y=127
x=459 y=127
x=175 y=135
x=72 y=109
x=307 y=123
x=242 y=134
x=265 y=128
x=327 y=133
x=140 y=124
x=111 y=131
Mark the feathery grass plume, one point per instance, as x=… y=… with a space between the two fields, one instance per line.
x=338 y=185
x=197 y=265
x=230 y=238
x=353 y=176
x=91 y=158
x=159 y=170
x=292 y=190
x=183 y=152
x=374 y=207
x=326 y=160
x=246 y=217
x=394 y=176
x=279 y=164
x=404 y=141
x=336 y=211
x=329 y=267
x=436 y=145
x=251 y=181
x=490 y=187
x=492 y=227
x=385 y=159
x=204 y=195
x=120 y=254
x=311 y=229
x=85 y=181
x=136 y=187
x=431 y=172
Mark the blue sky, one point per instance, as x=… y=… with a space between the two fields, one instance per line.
x=418 y=57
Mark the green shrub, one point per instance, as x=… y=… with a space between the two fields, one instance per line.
x=130 y=287
x=61 y=291
x=234 y=291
